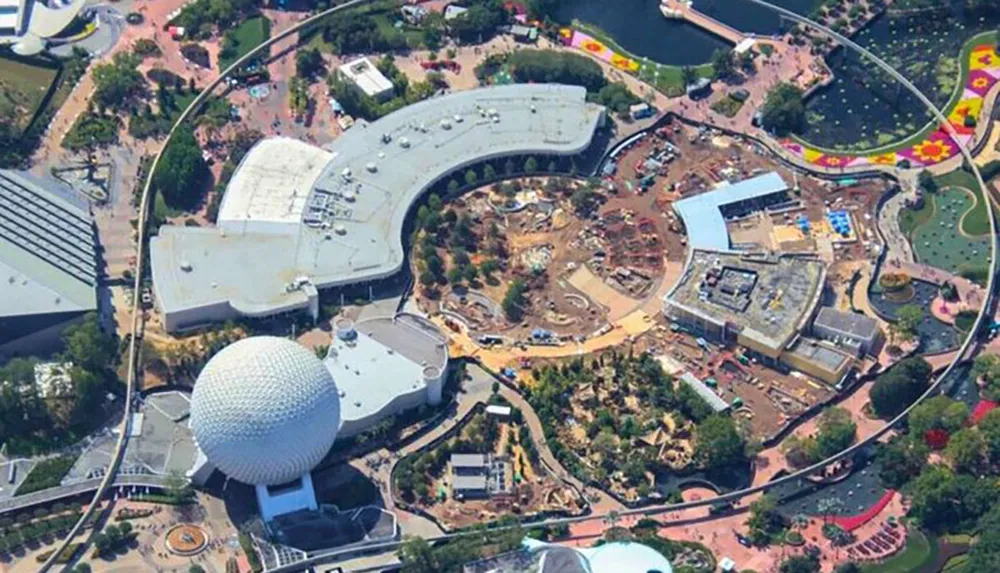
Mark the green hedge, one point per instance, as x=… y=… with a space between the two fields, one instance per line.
x=46 y=474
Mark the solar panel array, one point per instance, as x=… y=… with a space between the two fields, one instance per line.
x=48 y=228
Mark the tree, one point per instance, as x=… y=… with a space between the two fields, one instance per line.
x=488 y=267
x=309 y=63
x=937 y=413
x=837 y=431
x=718 y=444
x=479 y=23
x=88 y=346
x=849 y=567
x=943 y=501
x=902 y=459
x=966 y=450
x=986 y=369
x=985 y=554
x=530 y=165
x=417 y=556
x=489 y=173
x=800 y=564
x=723 y=63
x=585 y=202
x=926 y=181
x=471 y=178
x=989 y=427
x=908 y=317
x=897 y=388
x=765 y=522
x=119 y=83
x=182 y=174
x=689 y=75
x=800 y=452
x=196 y=569
x=550 y=66
x=514 y=301
x=784 y=111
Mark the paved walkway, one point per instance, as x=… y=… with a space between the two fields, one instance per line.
x=899 y=246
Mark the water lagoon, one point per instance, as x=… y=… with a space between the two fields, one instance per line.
x=862 y=109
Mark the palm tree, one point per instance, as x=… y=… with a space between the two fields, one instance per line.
x=689 y=75
x=829 y=507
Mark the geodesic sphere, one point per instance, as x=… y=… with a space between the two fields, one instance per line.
x=265 y=410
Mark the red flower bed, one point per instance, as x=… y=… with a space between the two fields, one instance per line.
x=850 y=523
x=982 y=408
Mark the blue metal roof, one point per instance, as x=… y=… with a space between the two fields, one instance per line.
x=706 y=228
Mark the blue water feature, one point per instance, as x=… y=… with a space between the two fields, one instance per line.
x=640 y=27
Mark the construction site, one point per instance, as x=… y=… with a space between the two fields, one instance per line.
x=502 y=476
x=603 y=255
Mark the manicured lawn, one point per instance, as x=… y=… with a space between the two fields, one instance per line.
x=975 y=222
x=727 y=106
x=386 y=23
x=247 y=36
x=939 y=243
x=918 y=551
x=667 y=79
x=22 y=88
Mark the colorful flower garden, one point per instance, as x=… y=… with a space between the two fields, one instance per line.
x=984 y=71
x=587 y=43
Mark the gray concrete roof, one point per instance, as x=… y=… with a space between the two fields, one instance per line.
x=475 y=482
x=386 y=359
x=819 y=353
x=349 y=227
x=847 y=323
x=47 y=257
x=469 y=460
x=784 y=293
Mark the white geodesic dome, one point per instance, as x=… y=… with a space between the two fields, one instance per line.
x=265 y=410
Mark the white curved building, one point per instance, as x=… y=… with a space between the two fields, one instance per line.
x=265 y=411
x=296 y=218
x=385 y=366
x=28 y=25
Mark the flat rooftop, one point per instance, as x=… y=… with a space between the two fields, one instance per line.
x=48 y=260
x=469 y=460
x=783 y=293
x=850 y=324
x=831 y=359
x=341 y=222
x=702 y=214
x=387 y=358
x=363 y=73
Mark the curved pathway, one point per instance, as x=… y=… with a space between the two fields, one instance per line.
x=142 y=229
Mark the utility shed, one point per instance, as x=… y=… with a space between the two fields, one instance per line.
x=714 y=400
